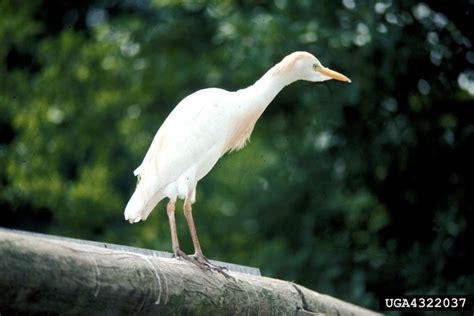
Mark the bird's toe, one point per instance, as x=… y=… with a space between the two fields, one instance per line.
x=179 y=254
x=205 y=264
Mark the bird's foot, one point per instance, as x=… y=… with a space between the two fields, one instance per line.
x=202 y=262
x=179 y=254
x=205 y=264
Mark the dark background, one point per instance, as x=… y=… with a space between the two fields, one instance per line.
x=351 y=190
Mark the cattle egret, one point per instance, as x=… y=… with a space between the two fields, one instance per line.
x=202 y=128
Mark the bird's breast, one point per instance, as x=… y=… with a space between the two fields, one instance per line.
x=241 y=130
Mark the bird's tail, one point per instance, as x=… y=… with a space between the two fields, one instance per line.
x=141 y=203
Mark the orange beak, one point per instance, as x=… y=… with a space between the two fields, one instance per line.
x=333 y=74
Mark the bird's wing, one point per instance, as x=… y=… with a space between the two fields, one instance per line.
x=192 y=128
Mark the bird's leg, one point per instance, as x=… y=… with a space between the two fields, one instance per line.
x=177 y=252
x=200 y=260
x=188 y=213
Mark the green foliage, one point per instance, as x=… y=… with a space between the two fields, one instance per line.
x=351 y=190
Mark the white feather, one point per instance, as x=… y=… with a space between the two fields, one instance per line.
x=203 y=127
x=184 y=149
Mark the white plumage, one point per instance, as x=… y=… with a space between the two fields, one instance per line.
x=184 y=149
x=203 y=127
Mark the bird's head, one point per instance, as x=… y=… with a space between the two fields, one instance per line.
x=304 y=66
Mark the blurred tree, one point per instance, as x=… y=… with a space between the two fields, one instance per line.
x=352 y=190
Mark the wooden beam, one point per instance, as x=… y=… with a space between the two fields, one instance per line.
x=44 y=275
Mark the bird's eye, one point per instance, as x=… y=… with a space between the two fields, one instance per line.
x=315 y=66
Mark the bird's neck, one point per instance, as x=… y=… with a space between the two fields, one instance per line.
x=249 y=103
x=264 y=90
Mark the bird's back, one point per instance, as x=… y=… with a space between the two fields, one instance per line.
x=192 y=136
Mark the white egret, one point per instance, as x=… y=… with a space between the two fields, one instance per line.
x=202 y=128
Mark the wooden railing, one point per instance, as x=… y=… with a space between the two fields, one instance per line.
x=39 y=274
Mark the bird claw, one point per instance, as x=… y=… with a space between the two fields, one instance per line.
x=179 y=254
x=204 y=264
